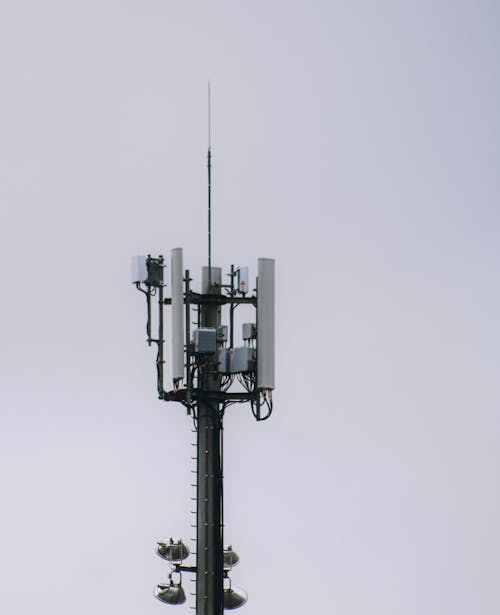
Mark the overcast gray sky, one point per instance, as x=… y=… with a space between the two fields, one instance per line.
x=358 y=144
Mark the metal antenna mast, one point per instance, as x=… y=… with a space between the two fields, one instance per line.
x=209 y=166
x=209 y=374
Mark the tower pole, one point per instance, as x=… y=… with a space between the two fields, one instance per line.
x=209 y=548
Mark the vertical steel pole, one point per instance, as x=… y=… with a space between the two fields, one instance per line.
x=209 y=548
x=161 y=342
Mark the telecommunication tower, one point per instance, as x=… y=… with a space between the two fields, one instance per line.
x=209 y=374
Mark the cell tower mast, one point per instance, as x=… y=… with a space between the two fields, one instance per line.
x=209 y=374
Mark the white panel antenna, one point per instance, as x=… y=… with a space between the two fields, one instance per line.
x=177 y=315
x=215 y=279
x=242 y=280
x=139 y=272
x=265 y=324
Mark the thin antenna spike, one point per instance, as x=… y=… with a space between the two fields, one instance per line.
x=209 y=165
x=209 y=119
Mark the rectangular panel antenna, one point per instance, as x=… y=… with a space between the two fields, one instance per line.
x=265 y=324
x=177 y=315
x=215 y=279
x=139 y=271
x=242 y=280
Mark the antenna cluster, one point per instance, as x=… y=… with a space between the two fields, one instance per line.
x=211 y=345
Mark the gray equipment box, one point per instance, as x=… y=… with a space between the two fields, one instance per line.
x=243 y=360
x=248 y=331
x=155 y=272
x=205 y=340
x=222 y=333
x=223 y=361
